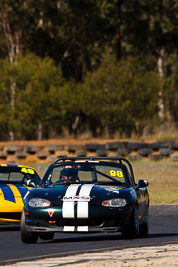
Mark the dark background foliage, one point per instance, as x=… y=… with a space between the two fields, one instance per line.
x=93 y=66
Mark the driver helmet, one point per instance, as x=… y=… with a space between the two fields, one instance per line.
x=69 y=172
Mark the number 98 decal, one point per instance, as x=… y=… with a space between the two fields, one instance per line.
x=116 y=173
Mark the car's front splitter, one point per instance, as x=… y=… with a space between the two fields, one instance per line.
x=72 y=229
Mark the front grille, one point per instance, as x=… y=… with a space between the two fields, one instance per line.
x=80 y=222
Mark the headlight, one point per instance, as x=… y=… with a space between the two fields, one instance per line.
x=116 y=202
x=39 y=203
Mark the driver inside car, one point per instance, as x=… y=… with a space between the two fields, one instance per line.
x=70 y=173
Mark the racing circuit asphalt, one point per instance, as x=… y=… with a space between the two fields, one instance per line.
x=163 y=230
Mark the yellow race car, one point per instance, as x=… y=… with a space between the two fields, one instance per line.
x=15 y=182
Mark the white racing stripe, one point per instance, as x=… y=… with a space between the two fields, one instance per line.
x=68 y=207
x=69 y=228
x=74 y=228
x=82 y=208
x=82 y=228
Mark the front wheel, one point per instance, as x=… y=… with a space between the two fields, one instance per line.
x=27 y=237
x=144 y=228
x=133 y=230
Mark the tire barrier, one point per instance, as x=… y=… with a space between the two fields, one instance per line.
x=145 y=152
x=32 y=149
x=123 y=152
x=48 y=153
x=155 y=157
x=134 y=146
x=11 y=149
x=81 y=153
x=113 y=146
x=174 y=145
x=21 y=154
x=165 y=151
x=53 y=148
x=93 y=147
x=157 y=145
x=73 y=148
x=101 y=152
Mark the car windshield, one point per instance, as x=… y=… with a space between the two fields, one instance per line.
x=86 y=172
x=18 y=175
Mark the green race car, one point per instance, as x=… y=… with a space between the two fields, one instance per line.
x=84 y=195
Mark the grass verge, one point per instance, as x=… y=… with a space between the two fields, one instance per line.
x=163 y=180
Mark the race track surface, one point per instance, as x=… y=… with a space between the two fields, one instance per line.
x=163 y=230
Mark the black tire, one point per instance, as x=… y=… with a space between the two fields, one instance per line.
x=174 y=145
x=113 y=146
x=27 y=237
x=46 y=236
x=165 y=151
x=81 y=153
x=101 y=152
x=144 y=152
x=73 y=148
x=133 y=230
x=123 y=152
x=157 y=145
x=92 y=147
x=155 y=157
x=135 y=146
x=144 y=228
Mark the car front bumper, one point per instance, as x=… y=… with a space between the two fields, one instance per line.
x=106 y=220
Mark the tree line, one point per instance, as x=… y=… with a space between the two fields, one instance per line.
x=93 y=65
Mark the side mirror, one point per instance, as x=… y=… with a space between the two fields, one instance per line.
x=29 y=183
x=142 y=183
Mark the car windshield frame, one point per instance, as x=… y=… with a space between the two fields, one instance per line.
x=115 y=169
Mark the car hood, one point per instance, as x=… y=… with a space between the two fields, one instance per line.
x=86 y=192
x=11 y=191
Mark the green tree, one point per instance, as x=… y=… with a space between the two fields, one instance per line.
x=122 y=96
x=5 y=70
x=35 y=80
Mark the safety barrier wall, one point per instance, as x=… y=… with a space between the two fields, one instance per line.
x=48 y=153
